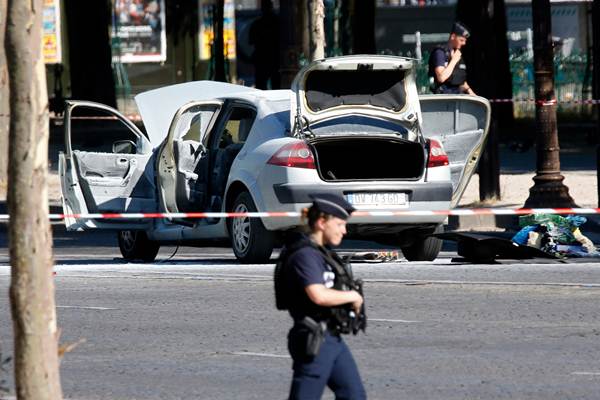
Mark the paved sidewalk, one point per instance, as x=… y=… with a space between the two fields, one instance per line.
x=578 y=166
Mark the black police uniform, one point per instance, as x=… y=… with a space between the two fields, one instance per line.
x=320 y=356
x=334 y=365
x=440 y=57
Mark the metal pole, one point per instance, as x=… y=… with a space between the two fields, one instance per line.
x=529 y=43
x=548 y=189
x=418 y=53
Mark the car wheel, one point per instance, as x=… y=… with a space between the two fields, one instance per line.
x=424 y=249
x=135 y=246
x=252 y=243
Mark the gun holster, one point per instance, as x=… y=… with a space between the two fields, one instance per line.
x=305 y=339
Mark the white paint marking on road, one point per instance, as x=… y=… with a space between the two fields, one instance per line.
x=166 y=276
x=392 y=320
x=585 y=373
x=500 y=283
x=210 y=275
x=88 y=308
x=117 y=257
x=251 y=354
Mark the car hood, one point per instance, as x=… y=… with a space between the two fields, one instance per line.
x=158 y=107
x=367 y=85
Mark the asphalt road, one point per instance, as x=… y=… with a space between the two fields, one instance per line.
x=200 y=326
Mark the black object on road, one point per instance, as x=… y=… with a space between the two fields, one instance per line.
x=481 y=248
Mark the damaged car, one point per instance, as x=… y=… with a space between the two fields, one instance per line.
x=352 y=125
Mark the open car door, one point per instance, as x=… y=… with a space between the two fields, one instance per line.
x=183 y=159
x=106 y=168
x=461 y=123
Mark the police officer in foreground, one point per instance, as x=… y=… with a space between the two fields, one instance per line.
x=317 y=288
x=447 y=68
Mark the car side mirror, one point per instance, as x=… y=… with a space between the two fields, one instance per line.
x=124 y=147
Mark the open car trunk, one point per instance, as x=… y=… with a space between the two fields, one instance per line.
x=374 y=86
x=368 y=158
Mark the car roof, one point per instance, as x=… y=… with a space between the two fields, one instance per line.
x=158 y=107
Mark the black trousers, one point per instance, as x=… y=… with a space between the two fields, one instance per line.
x=334 y=367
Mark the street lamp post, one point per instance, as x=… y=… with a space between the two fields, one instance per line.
x=548 y=189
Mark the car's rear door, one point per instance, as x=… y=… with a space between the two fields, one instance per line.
x=461 y=123
x=106 y=168
x=183 y=158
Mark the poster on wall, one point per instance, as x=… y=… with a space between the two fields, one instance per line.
x=207 y=35
x=138 y=32
x=51 y=32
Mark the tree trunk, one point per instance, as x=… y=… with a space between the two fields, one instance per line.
x=548 y=189
x=4 y=94
x=30 y=238
x=317 y=30
x=363 y=27
x=219 y=52
x=292 y=22
x=488 y=46
x=90 y=58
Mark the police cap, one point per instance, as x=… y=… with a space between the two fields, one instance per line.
x=332 y=204
x=460 y=29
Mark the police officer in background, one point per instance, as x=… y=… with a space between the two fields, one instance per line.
x=317 y=288
x=446 y=65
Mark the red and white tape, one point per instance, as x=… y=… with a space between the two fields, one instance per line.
x=545 y=102
x=382 y=213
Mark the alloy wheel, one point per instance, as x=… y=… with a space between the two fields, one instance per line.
x=241 y=229
x=128 y=239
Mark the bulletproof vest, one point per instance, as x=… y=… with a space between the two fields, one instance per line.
x=343 y=275
x=341 y=319
x=282 y=295
x=459 y=74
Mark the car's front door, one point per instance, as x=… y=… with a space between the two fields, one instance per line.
x=106 y=168
x=461 y=123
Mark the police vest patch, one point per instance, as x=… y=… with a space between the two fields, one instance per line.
x=328 y=279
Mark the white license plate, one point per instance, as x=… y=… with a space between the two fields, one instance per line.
x=381 y=200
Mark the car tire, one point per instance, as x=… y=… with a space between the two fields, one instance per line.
x=252 y=243
x=135 y=246
x=424 y=249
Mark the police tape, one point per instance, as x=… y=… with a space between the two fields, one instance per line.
x=549 y=102
x=295 y=214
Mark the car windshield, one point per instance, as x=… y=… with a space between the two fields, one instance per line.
x=358 y=125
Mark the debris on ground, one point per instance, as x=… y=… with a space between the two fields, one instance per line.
x=556 y=235
x=376 y=256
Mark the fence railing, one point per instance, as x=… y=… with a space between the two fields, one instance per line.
x=572 y=81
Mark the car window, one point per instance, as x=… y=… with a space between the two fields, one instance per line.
x=97 y=130
x=237 y=127
x=194 y=122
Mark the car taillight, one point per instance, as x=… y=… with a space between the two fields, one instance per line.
x=296 y=155
x=437 y=155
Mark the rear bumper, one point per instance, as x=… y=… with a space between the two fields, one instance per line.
x=288 y=193
x=429 y=196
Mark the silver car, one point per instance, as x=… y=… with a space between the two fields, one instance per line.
x=351 y=125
